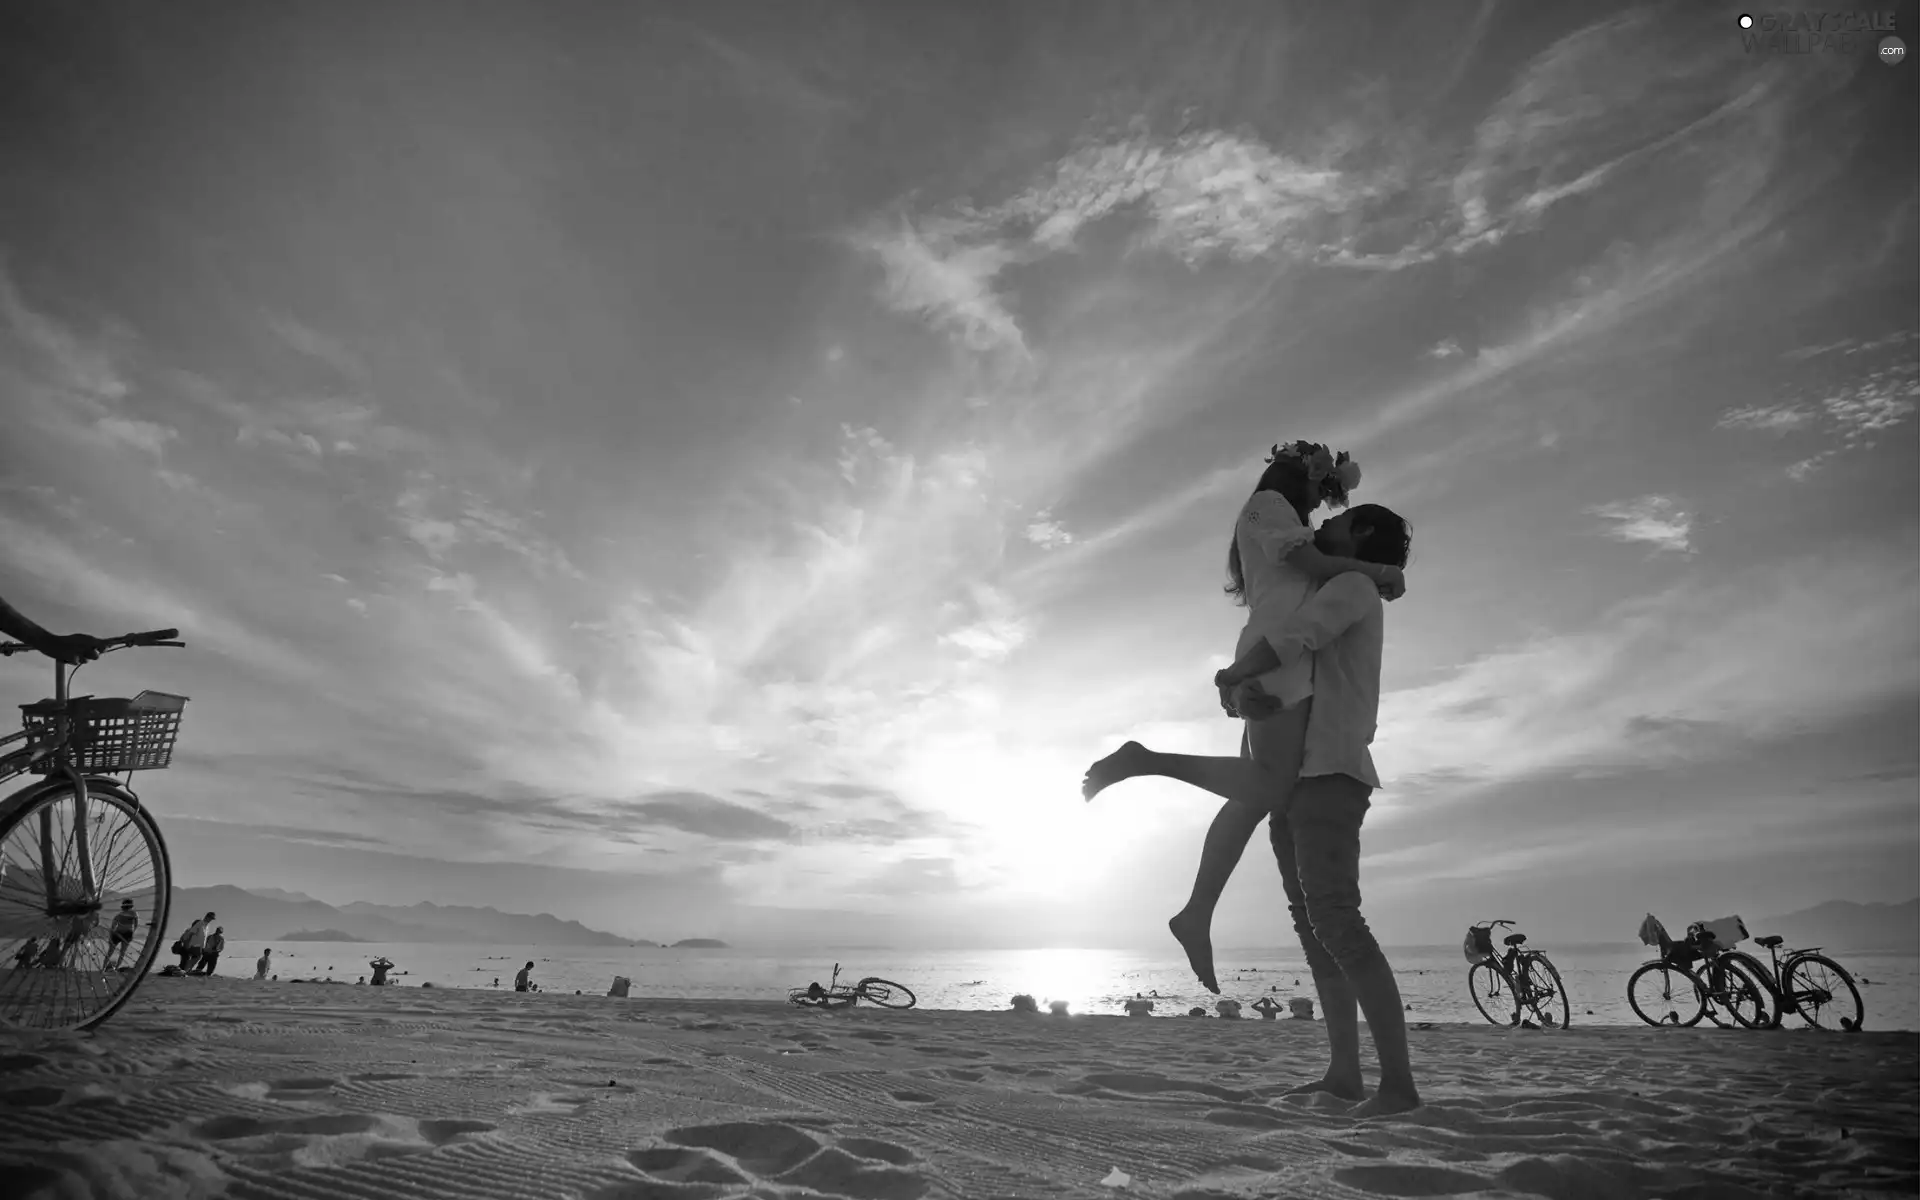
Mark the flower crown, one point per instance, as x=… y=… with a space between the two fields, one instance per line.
x=1332 y=475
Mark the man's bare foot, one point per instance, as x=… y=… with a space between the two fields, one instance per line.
x=1346 y=1089
x=1384 y=1103
x=1126 y=762
x=1197 y=940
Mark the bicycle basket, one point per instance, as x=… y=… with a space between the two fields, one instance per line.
x=1478 y=945
x=110 y=734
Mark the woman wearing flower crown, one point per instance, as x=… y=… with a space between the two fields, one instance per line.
x=1274 y=567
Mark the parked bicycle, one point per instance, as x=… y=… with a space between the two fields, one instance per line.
x=873 y=989
x=1806 y=982
x=1697 y=978
x=84 y=874
x=1507 y=990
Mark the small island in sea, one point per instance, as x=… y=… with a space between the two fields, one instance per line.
x=700 y=944
x=320 y=935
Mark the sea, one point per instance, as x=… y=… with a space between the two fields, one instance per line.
x=1433 y=979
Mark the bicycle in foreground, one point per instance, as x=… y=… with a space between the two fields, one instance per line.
x=873 y=989
x=85 y=879
x=1520 y=986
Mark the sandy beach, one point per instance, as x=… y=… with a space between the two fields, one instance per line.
x=283 y=1091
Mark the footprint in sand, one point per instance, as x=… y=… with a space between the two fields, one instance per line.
x=10 y=1063
x=700 y=1161
x=299 y=1089
x=326 y=1139
x=913 y=1097
x=674 y=1164
x=32 y=1097
x=952 y=1051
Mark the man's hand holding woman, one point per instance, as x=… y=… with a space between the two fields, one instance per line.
x=1244 y=699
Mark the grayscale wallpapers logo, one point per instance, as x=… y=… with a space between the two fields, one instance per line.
x=1813 y=31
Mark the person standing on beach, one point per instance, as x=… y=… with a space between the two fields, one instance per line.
x=263 y=964
x=1274 y=565
x=210 y=954
x=1316 y=836
x=120 y=935
x=523 y=982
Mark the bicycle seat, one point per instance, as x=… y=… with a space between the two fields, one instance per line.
x=1514 y=939
x=1768 y=942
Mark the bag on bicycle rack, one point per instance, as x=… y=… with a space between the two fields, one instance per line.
x=1478 y=945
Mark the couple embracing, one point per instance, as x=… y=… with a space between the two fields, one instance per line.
x=1306 y=685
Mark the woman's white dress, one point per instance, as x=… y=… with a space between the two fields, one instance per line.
x=1267 y=531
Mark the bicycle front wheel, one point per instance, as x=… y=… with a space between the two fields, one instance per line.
x=1823 y=993
x=1491 y=995
x=1546 y=995
x=885 y=992
x=62 y=964
x=1663 y=994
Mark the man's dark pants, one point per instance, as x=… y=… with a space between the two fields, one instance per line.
x=1317 y=845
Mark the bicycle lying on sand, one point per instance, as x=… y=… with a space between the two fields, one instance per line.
x=874 y=990
x=1510 y=990
x=84 y=875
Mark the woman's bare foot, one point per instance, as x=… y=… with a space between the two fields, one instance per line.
x=1196 y=938
x=1126 y=762
x=1346 y=1089
x=1384 y=1103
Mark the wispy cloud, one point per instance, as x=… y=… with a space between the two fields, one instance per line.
x=1659 y=521
x=1848 y=415
x=1766 y=418
x=1198 y=196
x=932 y=273
x=1047 y=533
x=1667 y=677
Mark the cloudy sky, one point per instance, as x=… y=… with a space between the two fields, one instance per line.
x=726 y=470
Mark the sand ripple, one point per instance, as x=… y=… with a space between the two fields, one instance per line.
x=216 y=1087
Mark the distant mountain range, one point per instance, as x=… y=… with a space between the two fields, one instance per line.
x=281 y=894
x=265 y=914
x=1843 y=925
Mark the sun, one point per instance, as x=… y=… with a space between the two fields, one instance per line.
x=1032 y=831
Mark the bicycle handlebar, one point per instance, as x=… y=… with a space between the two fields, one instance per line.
x=152 y=637
x=1491 y=924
